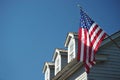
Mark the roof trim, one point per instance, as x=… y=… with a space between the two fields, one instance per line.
x=69 y=36
x=47 y=64
x=58 y=51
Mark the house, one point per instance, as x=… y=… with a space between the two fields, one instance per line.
x=50 y=69
x=107 y=65
x=60 y=59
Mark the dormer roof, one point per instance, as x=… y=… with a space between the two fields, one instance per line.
x=69 y=36
x=47 y=64
x=59 y=51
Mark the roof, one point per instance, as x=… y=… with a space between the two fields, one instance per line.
x=113 y=36
x=69 y=36
x=47 y=64
x=59 y=51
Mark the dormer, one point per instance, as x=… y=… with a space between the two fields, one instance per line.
x=60 y=59
x=48 y=70
x=71 y=43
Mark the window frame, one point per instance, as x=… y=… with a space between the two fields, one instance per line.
x=71 y=51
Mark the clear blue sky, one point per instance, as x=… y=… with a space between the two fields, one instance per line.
x=30 y=30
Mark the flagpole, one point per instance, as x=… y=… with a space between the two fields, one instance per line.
x=113 y=41
x=78 y=5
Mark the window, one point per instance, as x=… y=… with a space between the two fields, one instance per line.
x=57 y=65
x=71 y=47
x=71 y=50
x=46 y=75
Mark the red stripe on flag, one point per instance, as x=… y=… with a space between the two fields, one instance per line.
x=87 y=68
x=79 y=43
x=96 y=47
x=94 y=28
x=90 y=49
x=99 y=42
x=96 y=36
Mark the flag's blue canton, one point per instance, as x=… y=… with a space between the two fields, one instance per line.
x=86 y=21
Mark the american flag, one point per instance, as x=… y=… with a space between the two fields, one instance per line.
x=90 y=36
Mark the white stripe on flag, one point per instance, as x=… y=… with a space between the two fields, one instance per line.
x=91 y=28
x=82 y=46
x=94 y=33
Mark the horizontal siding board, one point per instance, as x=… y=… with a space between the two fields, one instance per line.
x=109 y=69
x=107 y=72
x=106 y=68
x=93 y=77
x=103 y=75
x=111 y=51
